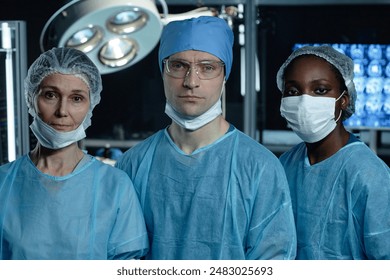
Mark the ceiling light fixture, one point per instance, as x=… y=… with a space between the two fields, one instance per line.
x=114 y=34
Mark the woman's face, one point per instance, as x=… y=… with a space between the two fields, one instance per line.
x=63 y=101
x=309 y=74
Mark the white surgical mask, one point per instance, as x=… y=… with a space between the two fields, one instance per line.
x=193 y=123
x=310 y=117
x=54 y=139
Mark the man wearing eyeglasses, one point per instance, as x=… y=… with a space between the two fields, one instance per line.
x=208 y=191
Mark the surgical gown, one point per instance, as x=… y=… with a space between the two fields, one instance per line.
x=92 y=213
x=341 y=205
x=228 y=200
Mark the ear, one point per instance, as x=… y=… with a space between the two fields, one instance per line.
x=344 y=101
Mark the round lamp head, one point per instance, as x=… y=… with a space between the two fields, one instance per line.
x=114 y=34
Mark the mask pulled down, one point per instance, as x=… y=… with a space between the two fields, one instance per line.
x=53 y=139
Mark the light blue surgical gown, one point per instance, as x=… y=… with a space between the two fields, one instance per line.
x=228 y=200
x=92 y=213
x=341 y=205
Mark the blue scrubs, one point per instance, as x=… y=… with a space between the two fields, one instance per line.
x=92 y=213
x=228 y=200
x=341 y=205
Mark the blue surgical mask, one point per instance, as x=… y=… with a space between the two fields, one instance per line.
x=53 y=139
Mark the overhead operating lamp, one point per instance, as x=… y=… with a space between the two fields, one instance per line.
x=114 y=34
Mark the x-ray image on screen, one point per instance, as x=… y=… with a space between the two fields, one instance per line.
x=372 y=82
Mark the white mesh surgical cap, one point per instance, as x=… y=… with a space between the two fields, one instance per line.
x=66 y=61
x=343 y=64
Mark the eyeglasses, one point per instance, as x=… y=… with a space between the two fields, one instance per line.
x=205 y=70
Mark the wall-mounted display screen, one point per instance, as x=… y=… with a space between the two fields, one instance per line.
x=372 y=82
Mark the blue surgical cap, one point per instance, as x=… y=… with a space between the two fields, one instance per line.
x=205 y=33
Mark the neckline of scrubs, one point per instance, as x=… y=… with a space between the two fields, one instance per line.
x=308 y=164
x=227 y=134
x=86 y=162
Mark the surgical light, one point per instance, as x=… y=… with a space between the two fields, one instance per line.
x=86 y=39
x=128 y=21
x=118 y=52
x=114 y=34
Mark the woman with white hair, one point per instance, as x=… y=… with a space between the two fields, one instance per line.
x=57 y=202
x=340 y=189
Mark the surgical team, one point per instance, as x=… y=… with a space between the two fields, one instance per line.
x=198 y=189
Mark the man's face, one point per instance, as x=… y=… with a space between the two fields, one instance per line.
x=190 y=95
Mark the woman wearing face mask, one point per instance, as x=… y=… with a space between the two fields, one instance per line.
x=340 y=189
x=58 y=202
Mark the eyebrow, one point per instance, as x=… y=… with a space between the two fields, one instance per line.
x=319 y=80
x=200 y=60
x=52 y=87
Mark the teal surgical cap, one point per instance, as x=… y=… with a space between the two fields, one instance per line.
x=205 y=33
